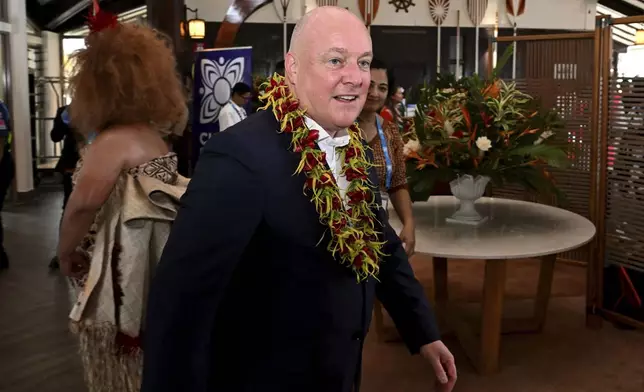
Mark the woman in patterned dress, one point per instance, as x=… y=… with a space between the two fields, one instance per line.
x=387 y=144
x=126 y=192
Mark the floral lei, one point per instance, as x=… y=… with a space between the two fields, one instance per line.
x=353 y=234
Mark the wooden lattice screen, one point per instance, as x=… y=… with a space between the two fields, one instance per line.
x=560 y=74
x=624 y=219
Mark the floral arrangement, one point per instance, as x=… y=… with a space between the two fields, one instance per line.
x=482 y=127
x=351 y=221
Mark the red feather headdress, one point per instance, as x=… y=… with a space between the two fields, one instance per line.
x=100 y=19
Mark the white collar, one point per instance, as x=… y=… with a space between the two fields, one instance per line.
x=324 y=137
x=231 y=102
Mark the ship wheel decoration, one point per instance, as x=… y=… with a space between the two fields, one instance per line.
x=438 y=9
x=402 y=4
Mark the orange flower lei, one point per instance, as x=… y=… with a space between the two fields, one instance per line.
x=353 y=234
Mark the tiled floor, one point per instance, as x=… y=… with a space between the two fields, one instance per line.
x=37 y=353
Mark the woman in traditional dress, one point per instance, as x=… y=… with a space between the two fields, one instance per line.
x=387 y=144
x=394 y=108
x=126 y=192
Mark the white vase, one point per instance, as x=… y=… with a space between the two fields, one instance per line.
x=468 y=189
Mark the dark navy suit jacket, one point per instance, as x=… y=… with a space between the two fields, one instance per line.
x=244 y=299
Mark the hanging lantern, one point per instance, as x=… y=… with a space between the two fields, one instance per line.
x=639 y=37
x=197 y=28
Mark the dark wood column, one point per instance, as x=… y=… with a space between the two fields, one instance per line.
x=166 y=16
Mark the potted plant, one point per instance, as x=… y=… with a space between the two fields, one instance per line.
x=472 y=131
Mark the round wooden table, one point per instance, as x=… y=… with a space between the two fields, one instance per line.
x=514 y=230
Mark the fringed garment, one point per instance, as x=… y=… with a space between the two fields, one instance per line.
x=124 y=245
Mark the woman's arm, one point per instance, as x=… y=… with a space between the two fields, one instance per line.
x=102 y=164
x=398 y=192
x=402 y=204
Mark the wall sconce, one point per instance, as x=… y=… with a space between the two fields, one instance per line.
x=195 y=28
x=639 y=37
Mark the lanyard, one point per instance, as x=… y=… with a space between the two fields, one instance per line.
x=385 y=150
x=234 y=105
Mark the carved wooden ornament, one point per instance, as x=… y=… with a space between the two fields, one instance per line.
x=438 y=10
x=476 y=10
x=368 y=9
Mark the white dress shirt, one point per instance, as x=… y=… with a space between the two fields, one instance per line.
x=230 y=115
x=330 y=145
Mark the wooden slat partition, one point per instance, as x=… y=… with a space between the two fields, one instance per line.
x=624 y=220
x=559 y=72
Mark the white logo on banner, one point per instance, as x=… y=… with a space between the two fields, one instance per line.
x=218 y=79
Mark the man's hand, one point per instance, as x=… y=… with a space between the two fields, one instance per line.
x=408 y=237
x=443 y=363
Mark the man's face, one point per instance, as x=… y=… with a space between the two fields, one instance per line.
x=242 y=99
x=331 y=75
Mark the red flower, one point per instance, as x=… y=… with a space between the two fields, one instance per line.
x=351 y=152
x=369 y=252
x=336 y=203
x=358 y=261
x=339 y=225
x=327 y=179
x=277 y=94
x=311 y=162
x=353 y=174
x=313 y=135
x=486 y=119
x=298 y=122
x=102 y=20
x=273 y=83
x=293 y=105
x=357 y=196
x=457 y=134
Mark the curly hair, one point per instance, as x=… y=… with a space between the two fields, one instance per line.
x=126 y=75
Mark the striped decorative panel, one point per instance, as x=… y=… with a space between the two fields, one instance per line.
x=559 y=73
x=625 y=173
x=476 y=10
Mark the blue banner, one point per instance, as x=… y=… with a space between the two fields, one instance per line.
x=216 y=71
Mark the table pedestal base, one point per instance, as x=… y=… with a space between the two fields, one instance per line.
x=483 y=348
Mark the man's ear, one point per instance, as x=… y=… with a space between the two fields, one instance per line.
x=290 y=68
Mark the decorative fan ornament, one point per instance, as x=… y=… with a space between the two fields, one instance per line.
x=368 y=10
x=322 y=3
x=438 y=9
x=281 y=7
x=476 y=10
x=514 y=8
